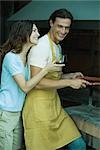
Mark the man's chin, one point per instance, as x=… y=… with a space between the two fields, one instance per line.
x=61 y=39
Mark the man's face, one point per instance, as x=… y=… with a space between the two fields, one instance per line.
x=60 y=28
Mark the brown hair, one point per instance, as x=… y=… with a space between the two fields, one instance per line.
x=18 y=35
x=61 y=13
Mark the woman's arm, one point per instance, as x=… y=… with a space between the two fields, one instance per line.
x=57 y=84
x=26 y=86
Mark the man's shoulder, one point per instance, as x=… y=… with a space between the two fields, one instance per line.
x=42 y=43
x=41 y=47
x=43 y=38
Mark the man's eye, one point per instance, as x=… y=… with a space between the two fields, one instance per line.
x=60 y=26
x=67 y=27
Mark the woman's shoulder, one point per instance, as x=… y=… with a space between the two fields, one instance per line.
x=10 y=54
x=10 y=57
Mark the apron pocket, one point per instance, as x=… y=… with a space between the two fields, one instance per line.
x=43 y=110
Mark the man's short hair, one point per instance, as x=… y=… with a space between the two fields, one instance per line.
x=61 y=13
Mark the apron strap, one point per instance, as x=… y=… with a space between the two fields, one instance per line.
x=52 y=48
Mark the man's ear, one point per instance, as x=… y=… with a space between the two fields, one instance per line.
x=51 y=23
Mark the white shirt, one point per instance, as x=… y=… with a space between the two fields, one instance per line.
x=41 y=54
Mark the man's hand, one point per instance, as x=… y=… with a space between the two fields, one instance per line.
x=72 y=75
x=77 y=75
x=79 y=83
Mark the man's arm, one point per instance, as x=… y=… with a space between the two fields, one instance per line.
x=57 y=84
x=72 y=75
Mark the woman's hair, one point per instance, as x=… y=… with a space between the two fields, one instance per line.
x=61 y=13
x=19 y=33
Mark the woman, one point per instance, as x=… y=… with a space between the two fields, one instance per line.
x=15 y=83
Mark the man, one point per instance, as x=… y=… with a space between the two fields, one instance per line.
x=47 y=126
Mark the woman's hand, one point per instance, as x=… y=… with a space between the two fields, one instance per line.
x=54 y=67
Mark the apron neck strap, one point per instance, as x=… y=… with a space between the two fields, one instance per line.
x=52 y=48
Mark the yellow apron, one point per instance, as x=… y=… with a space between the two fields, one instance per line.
x=46 y=125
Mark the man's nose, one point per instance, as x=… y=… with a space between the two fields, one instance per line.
x=63 y=30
